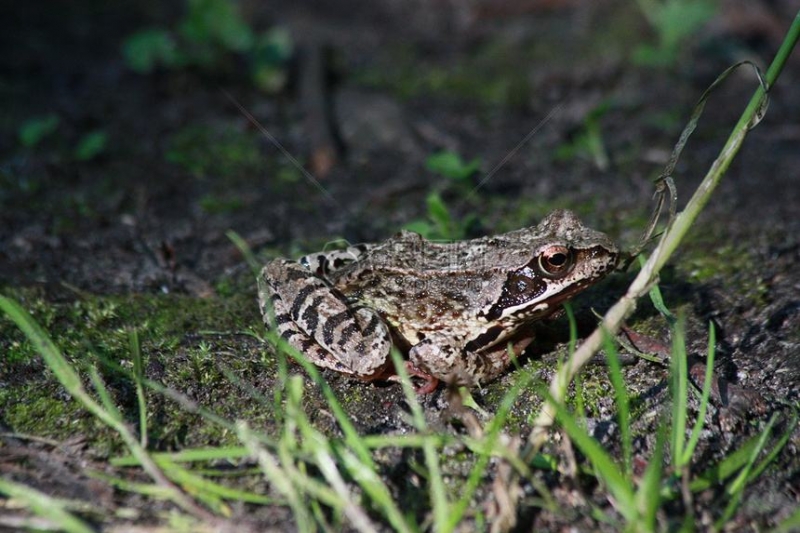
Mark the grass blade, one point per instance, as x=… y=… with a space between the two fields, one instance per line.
x=648 y=496
x=622 y=401
x=439 y=502
x=608 y=471
x=736 y=488
x=138 y=380
x=679 y=387
x=70 y=380
x=276 y=475
x=725 y=468
x=45 y=506
x=245 y=250
x=704 y=398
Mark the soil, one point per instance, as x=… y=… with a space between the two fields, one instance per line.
x=547 y=95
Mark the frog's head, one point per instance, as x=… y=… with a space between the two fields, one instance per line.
x=565 y=258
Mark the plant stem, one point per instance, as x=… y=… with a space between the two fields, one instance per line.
x=665 y=248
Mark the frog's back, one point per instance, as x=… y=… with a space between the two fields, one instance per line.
x=409 y=251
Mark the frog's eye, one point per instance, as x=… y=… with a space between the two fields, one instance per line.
x=555 y=261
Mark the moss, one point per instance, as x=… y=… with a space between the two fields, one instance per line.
x=42 y=408
x=502 y=71
x=185 y=343
x=705 y=259
x=472 y=79
x=220 y=204
x=215 y=152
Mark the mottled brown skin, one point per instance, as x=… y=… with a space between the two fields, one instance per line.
x=453 y=308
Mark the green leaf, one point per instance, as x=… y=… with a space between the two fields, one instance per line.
x=438 y=212
x=274 y=47
x=147 y=49
x=34 y=130
x=450 y=165
x=91 y=145
x=420 y=226
x=675 y=21
x=216 y=22
x=269 y=59
x=679 y=19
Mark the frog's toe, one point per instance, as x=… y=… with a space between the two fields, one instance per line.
x=430 y=383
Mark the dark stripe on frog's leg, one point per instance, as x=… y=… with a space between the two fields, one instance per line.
x=294 y=336
x=324 y=263
x=288 y=333
x=372 y=326
x=310 y=315
x=323 y=324
x=283 y=318
x=312 y=350
x=300 y=299
x=329 y=326
x=296 y=274
x=348 y=333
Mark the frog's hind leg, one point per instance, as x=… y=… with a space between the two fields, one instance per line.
x=325 y=263
x=317 y=321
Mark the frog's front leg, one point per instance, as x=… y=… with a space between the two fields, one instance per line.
x=318 y=322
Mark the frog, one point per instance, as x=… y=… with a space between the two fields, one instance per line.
x=459 y=312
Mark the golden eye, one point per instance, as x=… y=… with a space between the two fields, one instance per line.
x=556 y=261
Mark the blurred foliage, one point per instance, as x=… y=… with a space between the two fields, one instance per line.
x=209 y=32
x=91 y=145
x=214 y=204
x=588 y=143
x=215 y=23
x=674 y=22
x=206 y=151
x=270 y=54
x=451 y=165
x=147 y=49
x=440 y=223
x=34 y=130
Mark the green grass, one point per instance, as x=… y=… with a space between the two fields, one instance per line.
x=637 y=499
x=53 y=510
x=329 y=482
x=339 y=479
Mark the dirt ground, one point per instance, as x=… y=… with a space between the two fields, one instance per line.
x=547 y=94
